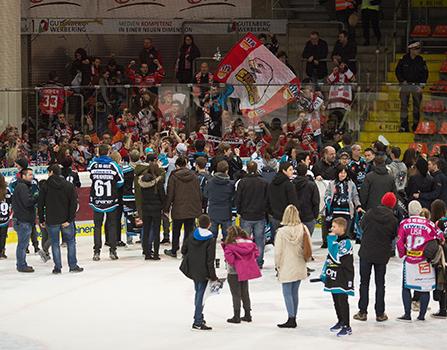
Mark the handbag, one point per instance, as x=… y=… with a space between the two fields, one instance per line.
x=307 y=245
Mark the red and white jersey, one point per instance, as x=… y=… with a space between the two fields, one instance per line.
x=51 y=99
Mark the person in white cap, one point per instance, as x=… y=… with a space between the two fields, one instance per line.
x=412 y=74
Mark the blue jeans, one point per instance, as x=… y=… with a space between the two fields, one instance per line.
x=200 y=287
x=256 y=229
x=290 y=293
x=275 y=223
x=23 y=230
x=424 y=298
x=68 y=236
x=224 y=225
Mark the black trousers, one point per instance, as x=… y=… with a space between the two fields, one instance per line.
x=371 y=17
x=119 y=215
x=342 y=308
x=239 y=293
x=188 y=225
x=111 y=228
x=151 y=234
x=166 y=226
x=34 y=236
x=343 y=16
x=379 y=277
x=3 y=236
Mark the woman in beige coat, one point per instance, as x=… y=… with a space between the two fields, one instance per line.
x=289 y=260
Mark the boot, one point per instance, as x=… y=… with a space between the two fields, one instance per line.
x=291 y=323
x=247 y=316
x=236 y=318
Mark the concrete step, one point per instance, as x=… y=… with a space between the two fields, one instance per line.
x=383 y=116
x=372 y=126
x=392 y=137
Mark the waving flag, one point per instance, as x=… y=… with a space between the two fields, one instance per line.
x=261 y=81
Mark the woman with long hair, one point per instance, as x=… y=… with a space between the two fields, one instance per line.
x=292 y=244
x=185 y=61
x=341 y=197
x=420 y=183
x=240 y=254
x=5 y=214
x=153 y=200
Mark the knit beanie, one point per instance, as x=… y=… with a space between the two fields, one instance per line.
x=389 y=200
x=414 y=208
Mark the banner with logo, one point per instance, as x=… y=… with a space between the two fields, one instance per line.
x=261 y=81
x=147 y=26
x=190 y=9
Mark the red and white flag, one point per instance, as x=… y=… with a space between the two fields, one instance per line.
x=261 y=81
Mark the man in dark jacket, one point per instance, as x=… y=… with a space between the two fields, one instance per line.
x=184 y=200
x=224 y=152
x=315 y=52
x=345 y=51
x=412 y=73
x=281 y=192
x=23 y=206
x=251 y=204
x=379 y=230
x=149 y=54
x=377 y=183
x=308 y=198
x=219 y=191
x=199 y=251
x=325 y=168
x=57 y=211
x=440 y=186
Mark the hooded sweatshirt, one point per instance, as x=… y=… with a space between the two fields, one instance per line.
x=241 y=258
x=58 y=201
x=308 y=198
x=377 y=183
x=379 y=227
x=199 y=253
x=183 y=195
x=289 y=258
x=219 y=191
x=23 y=202
x=281 y=193
x=153 y=194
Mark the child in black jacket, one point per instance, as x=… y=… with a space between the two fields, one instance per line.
x=199 y=251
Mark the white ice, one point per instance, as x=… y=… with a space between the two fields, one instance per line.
x=137 y=304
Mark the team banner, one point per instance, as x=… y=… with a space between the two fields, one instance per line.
x=190 y=9
x=261 y=81
x=58 y=26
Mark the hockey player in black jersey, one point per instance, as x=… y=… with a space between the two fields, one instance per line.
x=107 y=177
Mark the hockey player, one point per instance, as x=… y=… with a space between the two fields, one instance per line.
x=106 y=177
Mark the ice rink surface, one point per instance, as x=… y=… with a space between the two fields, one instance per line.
x=137 y=304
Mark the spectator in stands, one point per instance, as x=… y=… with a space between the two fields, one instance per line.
x=398 y=170
x=345 y=51
x=412 y=74
x=80 y=72
x=346 y=145
x=420 y=184
x=371 y=14
x=284 y=59
x=219 y=191
x=224 y=152
x=185 y=61
x=251 y=204
x=104 y=104
x=343 y=10
x=308 y=197
x=273 y=45
x=315 y=52
x=96 y=71
x=377 y=183
x=150 y=55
